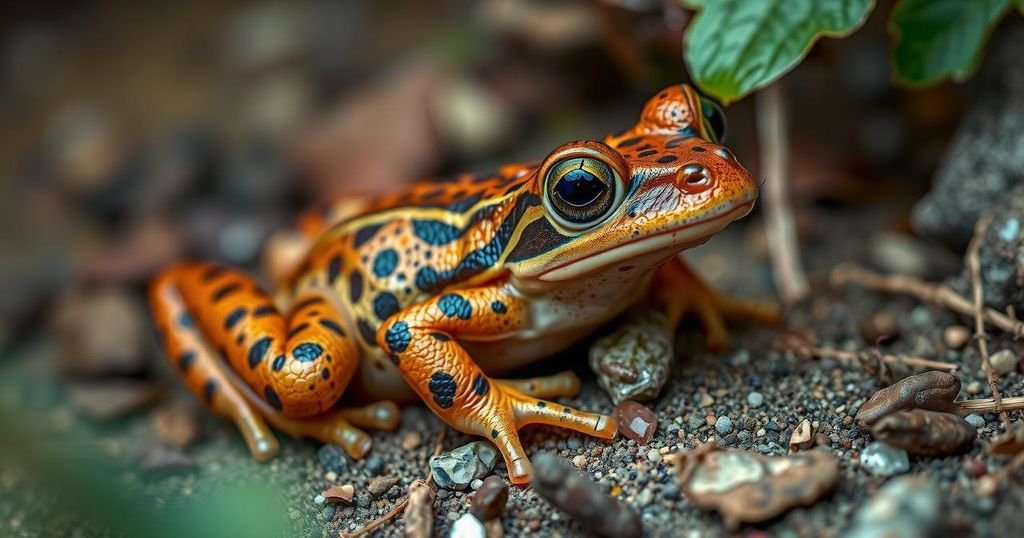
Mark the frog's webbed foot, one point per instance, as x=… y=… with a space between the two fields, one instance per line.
x=632 y=362
x=423 y=341
x=683 y=292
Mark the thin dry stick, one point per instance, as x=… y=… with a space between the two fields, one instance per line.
x=400 y=505
x=773 y=136
x=938 y=294
x=890 y=359
x=973 y=265
x=989 y=405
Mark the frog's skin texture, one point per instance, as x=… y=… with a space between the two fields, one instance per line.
x=435 y=291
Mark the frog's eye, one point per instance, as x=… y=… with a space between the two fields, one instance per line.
x=581 y=191
x=713 y=120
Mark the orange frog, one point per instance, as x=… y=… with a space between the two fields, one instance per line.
x=437 y=291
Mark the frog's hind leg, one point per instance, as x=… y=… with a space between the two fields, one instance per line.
x=682 y=292
x=423 y=342
x=289 y=370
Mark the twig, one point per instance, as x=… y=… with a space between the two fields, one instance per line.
x=938 y=294
x=973 y=265
x=773 y=138
x=400 y=505
x=989 y=405
x=889 y=359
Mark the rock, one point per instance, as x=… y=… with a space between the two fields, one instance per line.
x=100 y=332
x=158 y=458
x=456 y=469
x=883 y=460
x=723 y=425
x=747 y=487
x=570 y=492
x=632 y=362
x=1003 y=361
x=411 y=440
x=975 y=420
x=956 y=336
x=419 y=513
x=374 y=465
x=925 y=433
x=636 y=421
x=333 y=459
x=900 y=254
x=490 y=499
x=881 y=328
x=803 y=436
x=176 y=425
x=111 y=398
x=985 y=159
x=340 y=494
x=933 y=390
x=379 y=486
x=755 y=399
x=468 y=526
x=905 y=507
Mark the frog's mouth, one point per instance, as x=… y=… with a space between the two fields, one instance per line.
x=667 y=242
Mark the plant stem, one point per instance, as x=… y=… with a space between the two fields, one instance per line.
x=773 y=138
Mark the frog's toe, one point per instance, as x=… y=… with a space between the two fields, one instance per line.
x=561 y=385
x=383 y=415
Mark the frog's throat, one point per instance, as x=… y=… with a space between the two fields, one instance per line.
x=675 y=239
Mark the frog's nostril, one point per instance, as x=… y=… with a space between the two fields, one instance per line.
x=695 y=176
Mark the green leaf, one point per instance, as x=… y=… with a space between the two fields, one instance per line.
x=935 y=39
x=733 y=47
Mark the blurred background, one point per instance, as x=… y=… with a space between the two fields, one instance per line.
x=135 y=134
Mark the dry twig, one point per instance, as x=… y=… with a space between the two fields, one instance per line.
x=989 y=405
x=938 y=294
x=400 y=505
x=851 y=356
x=974 y=267
x=773 y=137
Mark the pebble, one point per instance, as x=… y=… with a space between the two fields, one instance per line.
x=881 y=459
x=755 y=399
x=974 y=388
x=458 y=468
x=333 y=459
x=490 y=498
x=159 y=458
x=636 y=421
x=653 y=455
x=975 y=420
x=956 y=336
x=411 y=440
x=1003 y=361
x=375 y=465
x=468 y=526
x=319 y=499
x=723 y=425
x=579 y=461
x=880 y=328
x=330 y=476
x=905 y=507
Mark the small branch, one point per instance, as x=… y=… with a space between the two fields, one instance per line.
x=890 y=359
x=773 y=138
x=938 y=294
x=400 y=505
x=989 y=405
x=974 y=266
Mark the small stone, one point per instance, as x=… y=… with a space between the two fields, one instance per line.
x=723 y=425
x=803 y=436
x=705 y=400
x=490 y=498
x=636 y=421
x=880 y=328
x=974 y=467
x=645 y=498
x=159 y=458
x=468 y=526
x=975 y=420
x=319 y=499
x=339 y=494
x=905 y=506
x=632 y=362
x=579 y=461
x=411 y=440
x=1003 y=361
x=974 y=388
x=330 y=476
x=881 y=459
x=379 y=486
x=755 y=399
x=654 y=455
x=333 y=459
x=374 y=465
x=456 y=469
x=956 y=336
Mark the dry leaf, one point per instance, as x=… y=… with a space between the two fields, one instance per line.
x=339 y=494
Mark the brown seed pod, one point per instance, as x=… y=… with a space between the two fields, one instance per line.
x=933 y=390
x=926 y=433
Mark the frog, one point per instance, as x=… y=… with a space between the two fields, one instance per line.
x=437 y=292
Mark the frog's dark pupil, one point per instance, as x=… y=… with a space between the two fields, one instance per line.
x=579 y=187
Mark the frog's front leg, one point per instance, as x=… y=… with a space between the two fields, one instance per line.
x=423 y=342
x=295 y=365
x=679 y=291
